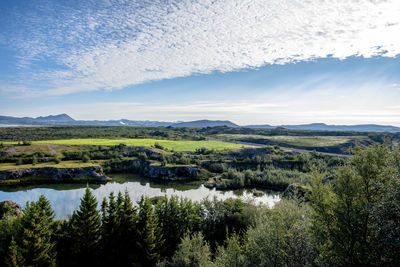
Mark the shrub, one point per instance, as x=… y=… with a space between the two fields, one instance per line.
x=85 y=158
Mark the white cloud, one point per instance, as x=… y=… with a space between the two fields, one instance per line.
x=113 y=44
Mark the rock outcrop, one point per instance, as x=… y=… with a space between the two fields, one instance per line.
x=9 y=207
x=296 y=191
x=56 y=174
x=157 y=172
x=167 y=173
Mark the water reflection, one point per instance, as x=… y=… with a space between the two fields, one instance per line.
x=66 y=198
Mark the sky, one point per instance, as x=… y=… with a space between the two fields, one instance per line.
x=248 y=61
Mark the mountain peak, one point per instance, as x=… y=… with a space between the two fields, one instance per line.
x=59 y=117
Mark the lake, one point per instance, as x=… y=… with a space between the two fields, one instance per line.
x=65 y=198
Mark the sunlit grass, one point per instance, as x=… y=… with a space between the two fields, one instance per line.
x=180 y=145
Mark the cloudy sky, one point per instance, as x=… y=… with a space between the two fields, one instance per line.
x=249 y=61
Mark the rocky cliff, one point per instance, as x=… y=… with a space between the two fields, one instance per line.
x=157 y=172
x=168 y=173
x=56 y=174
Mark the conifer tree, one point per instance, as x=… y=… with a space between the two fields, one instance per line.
x=14 y=257
x=110 y=230
x=150 y=238
x=128 y=220
x=37 y=246
x=86 y=231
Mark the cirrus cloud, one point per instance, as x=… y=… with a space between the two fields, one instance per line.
x=64 y=48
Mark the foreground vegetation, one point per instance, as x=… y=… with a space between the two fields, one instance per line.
x=350 y=219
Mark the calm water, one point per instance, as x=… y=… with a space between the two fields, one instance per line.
x=66 y=198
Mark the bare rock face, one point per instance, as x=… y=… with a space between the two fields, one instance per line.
x=10 y=208
x=166 y=173
x=57 y=174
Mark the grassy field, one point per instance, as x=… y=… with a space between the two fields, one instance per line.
x=63 y=164
x=298 y=141
x=181 y=145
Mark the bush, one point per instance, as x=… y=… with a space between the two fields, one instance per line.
x=158 y=145
x=85 y=158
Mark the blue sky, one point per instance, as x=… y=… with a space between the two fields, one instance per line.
x=252 y=62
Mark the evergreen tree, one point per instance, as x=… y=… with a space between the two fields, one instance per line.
x=10 y=228
x=177 y=217
x=111 y=231
x=86 y=231
x=14 y=257
x=128 y=234
x=150 y=240
x=37 y=246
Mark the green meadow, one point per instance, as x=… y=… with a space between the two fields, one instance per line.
x=176 y=145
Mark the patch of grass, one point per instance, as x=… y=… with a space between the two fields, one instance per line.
x=63 y=164
x=299 y=141
x=180 y=145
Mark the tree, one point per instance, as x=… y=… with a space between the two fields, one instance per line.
x=232 y=254
x=176 y=217
x=14 y=257
x=346 y=217
x=281 y=237
x=193 y=251
x=85 y=158
x=37 y=246
x=150 y=239
x=86 y=231
x=10 y=228
x=119 y=231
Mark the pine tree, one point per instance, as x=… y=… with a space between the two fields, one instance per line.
x=150 y=237
x=128 y=220
x=85 y=226
x=14 y=257
x=37 y=246
x=110 y=230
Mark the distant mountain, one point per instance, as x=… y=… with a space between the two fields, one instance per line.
x=48 y=120
x=205 y=123
x=60 y=117
x=64 y=120
x=338 y=128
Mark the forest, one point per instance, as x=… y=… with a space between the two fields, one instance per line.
x=350 y=219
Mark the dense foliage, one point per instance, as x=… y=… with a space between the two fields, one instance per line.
x=351 y=219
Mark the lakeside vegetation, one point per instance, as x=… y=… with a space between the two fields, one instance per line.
x=182 y=154
x=351 y=219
